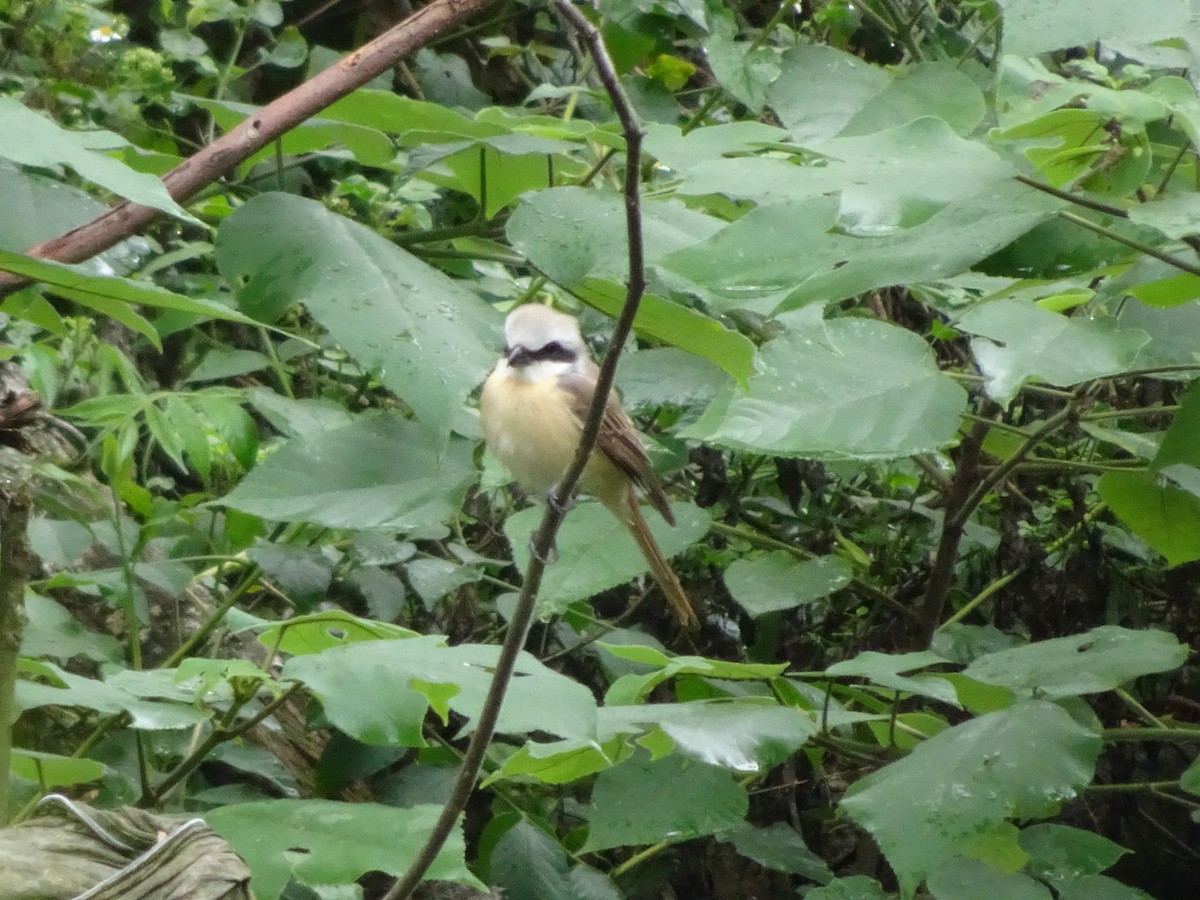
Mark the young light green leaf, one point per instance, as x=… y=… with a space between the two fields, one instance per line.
x=969 y=778
x=52 y=770
x=1164 y=516
x=743 y=735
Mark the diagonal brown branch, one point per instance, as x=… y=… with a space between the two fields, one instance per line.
x=256 y=132
x=518 y=629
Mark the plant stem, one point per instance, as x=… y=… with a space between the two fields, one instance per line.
x=1170 y=260
x=1168 y=735
x=969 y=607
x=14 y=569
x=151 y=796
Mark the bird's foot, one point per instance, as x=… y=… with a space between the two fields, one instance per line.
x=552 y=502
x=551 y=556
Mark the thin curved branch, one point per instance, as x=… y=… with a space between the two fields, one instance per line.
x=518 y=629
x=256 y=132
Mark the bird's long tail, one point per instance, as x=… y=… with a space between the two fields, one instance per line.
x=660 y=568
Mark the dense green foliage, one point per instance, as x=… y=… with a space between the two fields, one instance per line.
x=915 y=363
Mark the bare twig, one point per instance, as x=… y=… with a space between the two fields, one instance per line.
x=256 y=132
x=556 y=510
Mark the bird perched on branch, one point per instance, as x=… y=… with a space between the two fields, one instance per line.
x=532 y=409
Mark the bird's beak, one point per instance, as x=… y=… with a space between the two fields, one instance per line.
x=517 y=356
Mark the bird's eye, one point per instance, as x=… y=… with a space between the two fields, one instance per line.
x=552 y=349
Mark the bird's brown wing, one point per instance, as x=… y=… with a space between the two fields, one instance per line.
x=618 y=440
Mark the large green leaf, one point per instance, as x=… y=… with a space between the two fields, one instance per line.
x=31 y=139
x=1021 y=763
x=839 y=389
x=1032 y=26
x=779 y=847
x=1022 y=341
x=789 y=254
x=531 y=864
x=898 y=178
x=596 y=552
x=971 y=879
x=378 y=691
x=778 y=581
x=1164 y=516
x=50 y=208
x=430 y=339
x=746 y=736
x=1060 y=853
x=1098 y=660
x=846 y=84
x=380 y=471
x=322 y=842
x=669 y=799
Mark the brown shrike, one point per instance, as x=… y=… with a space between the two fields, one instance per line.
x=532 y=409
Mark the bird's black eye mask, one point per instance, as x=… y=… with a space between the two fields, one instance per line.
x=552 y=352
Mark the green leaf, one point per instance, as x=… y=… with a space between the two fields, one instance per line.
x=560 y=762
x=1098 y=660
x=884 y=669
x=1060 y=853
x=658 y=319
x=353 y=477
x=743 y=735
x=573 y=233
x=532 y=865
x=971 y=778
x=1181 y=444
x=856 y=887
x=667 y=376
x=939 y=89
x=778 y=581
x=1032 y=27
x=35 y=140
x=50 y=208
x=52 y=770
x=369 y=146
x=374 y=690
x=51 y=631
x=838 y=389
x=315 y=632
x=670 y=799
x=846 y=84
x=752 y=263
x=741 y=69
x=322 y=842
x=971 y=879
x=596 y=551
x=1024 y=341
x=430 y=338
x=1164 y=516
x=779 y=847
x=113 y=296
x=1099 y=887
x=895 y=179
